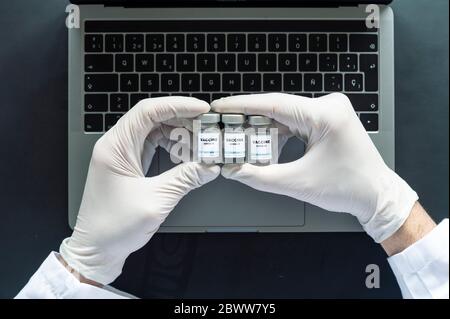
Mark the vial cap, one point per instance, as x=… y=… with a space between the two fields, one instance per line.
x=233 y=118
x=209 y=118
x=259 y=120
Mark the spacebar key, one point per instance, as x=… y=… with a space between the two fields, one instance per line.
x=101 y=82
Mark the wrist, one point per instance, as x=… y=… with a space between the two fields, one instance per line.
x=393 y=204
x=76 y=274
x=416 y=226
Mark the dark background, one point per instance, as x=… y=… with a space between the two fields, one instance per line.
x=33 y=174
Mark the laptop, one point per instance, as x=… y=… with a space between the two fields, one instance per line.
x=125 y=51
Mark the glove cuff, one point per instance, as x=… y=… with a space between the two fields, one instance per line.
x=394 y=204
x=90 y=264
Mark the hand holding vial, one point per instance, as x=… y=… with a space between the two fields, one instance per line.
x=341 y=170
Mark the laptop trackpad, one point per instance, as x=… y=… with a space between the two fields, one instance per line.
x=225 y=204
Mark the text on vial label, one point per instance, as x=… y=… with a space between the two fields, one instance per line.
x=208 y=145
x=261 y=147
x=234 y=145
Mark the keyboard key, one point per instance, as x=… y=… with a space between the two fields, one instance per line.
x=150 y=82
x=292 y=82
x=144 y=62
x=272 y=82
x=206 y=62
x=170 y=82
x=217 y=96
x=348 y=62
x=231 y=82
x=236 y=43
x=251 y=82
x=287 y=62
x=129 y=82
x=114 y=42
x=185 y=62
x=155 y=42
x=247 y=62
x=93 y=43
x=368 y=63
x=277 y=42
x=353 y=82
x=124 y=63
x=118 y=102
x=328 y=62
x=363 y=42
x=338 y=42
x=226 y=62
x=101 y=82
x=135 y=98
x=134 y=42
x=317 y=42
x=93 y=123
x=111 y=119
x=195 y=42
x=321 y=94
x=165 y=63
x=333 y=82
x=190 y=82
x=297 y=42
x=98 y=62
x=313 y=82
x=215 y=42
x=305 y=94
x=153 y=95
x=307 y=62
x=369 y=121
x=202 y=96
x=210 y=82
x=256 y=42
x=96 y=102
x=364 y=102
x=174 y=42
x=267 y=62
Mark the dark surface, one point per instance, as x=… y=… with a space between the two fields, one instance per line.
x=33 y=174
x=158 y=3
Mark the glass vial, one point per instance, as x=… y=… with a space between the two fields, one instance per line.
x=259 y=140
x=209 y=142
x=234 y=146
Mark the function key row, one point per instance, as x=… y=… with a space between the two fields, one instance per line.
x=238 y=42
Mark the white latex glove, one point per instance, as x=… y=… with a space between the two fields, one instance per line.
x=341 y=170
x=121 y=208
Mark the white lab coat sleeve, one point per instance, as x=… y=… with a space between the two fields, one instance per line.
x=53 y=281
x=422 y=268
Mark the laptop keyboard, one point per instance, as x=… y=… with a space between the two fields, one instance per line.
x=126 y=61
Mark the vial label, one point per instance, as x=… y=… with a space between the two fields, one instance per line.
x=208 y=145
x=261 y=147
x=234 y=145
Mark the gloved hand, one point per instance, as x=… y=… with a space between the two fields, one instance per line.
x=121 y=208
x=341 y=169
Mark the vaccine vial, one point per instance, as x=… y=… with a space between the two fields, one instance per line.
x=234 y=146
x=259 y=140
x=209 y=142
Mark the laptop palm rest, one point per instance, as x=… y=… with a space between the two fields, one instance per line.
x=227 y=205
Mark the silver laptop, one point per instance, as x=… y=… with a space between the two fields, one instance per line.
x=124 y=51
